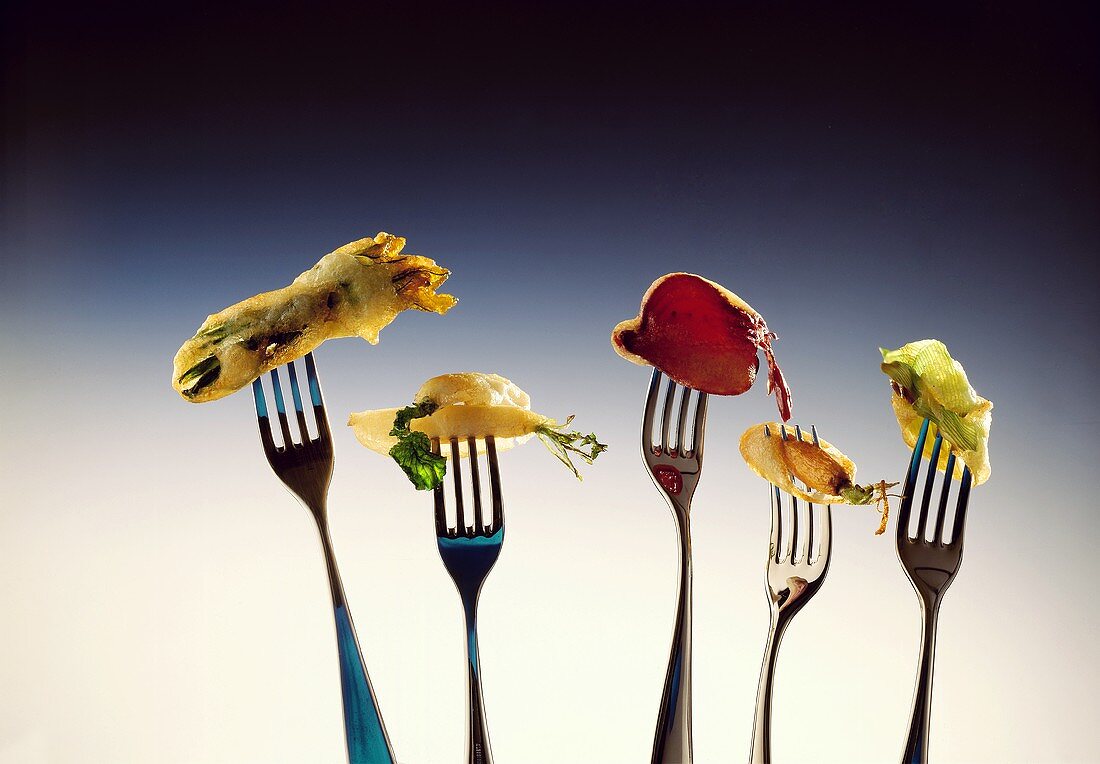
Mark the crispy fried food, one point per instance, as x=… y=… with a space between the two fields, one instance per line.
x=355 y=290
x=703 y=336
x=829 y=475
x=465 y=405
x=927 y=383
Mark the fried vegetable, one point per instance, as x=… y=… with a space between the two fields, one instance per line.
x=461 y=406
x=927 y=383
x=703 y=336
x=828 y=475
x=356 y=290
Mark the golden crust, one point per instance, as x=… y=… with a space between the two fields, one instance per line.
x=823 y=468
x=471 y=405
x=355 y=290
x=977 y=460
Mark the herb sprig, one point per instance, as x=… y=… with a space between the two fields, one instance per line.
x=413 y=450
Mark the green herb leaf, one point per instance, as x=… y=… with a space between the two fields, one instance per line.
x=413 y=451
x=400 y=427
x=561 y=443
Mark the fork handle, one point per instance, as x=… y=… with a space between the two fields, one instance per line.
x=916 y=745
x=672 y=742
x=364 y=731
x=761 y=751
x=477 y=739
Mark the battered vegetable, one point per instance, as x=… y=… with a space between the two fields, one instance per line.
x=467 y=405
x=927 y=383
x=355 y=290
x=829 y=475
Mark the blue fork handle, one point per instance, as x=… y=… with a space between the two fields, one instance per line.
x=366 y=735
x=916 y=744
x=477 y=739
x=364 y=731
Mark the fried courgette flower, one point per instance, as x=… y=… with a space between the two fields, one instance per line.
x=927 y=383
x=777 y=454
x=465 y=405
x=356 y=290
x=703 y=336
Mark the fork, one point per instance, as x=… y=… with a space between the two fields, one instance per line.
x=674 y=466
x=931 y=566
x=792 y=576
x=305 y=467
x=469 y=553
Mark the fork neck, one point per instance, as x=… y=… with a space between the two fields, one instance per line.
x=335 y=584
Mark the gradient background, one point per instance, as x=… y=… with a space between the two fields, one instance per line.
x=861 y=178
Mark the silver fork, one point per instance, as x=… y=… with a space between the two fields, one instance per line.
x=305 y=467
x=674 y=466
x=931 y=565
x=792 y=576
x=469 y=553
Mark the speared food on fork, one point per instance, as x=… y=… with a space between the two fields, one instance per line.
x=927 y=383
x=465 y=406
x=355 y=290
x=702 y=336
x=827 y=474
x=947 y=425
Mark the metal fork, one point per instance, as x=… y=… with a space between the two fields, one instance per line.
x=931 y=566
x=793 y=576
x=305 y=467
x=469 y=553
x=675 y=465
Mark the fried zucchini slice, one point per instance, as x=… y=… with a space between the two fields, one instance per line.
x=355 y=290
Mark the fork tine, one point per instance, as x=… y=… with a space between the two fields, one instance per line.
x=650 y=411
x=494 y=483
x=280 y=407
x=777 y=522
x=475 y=478
x=960 y=508
x=809 y=533
x=906 y=508
x=261 y=415
x=699 y=428
x=319 y=415
x=666 y=414
x=826 y=536
x=945 y=490
x=794 y=529
x=681 y=420
x=296 y=395
x=929 y=480
x=460 y=517
x=440 y=505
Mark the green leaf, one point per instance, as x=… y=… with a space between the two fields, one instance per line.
x=561 y=443
x=413 y=450
x=400 y=427
x=413 y=453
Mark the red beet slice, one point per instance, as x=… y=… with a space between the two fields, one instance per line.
x=703 y=336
